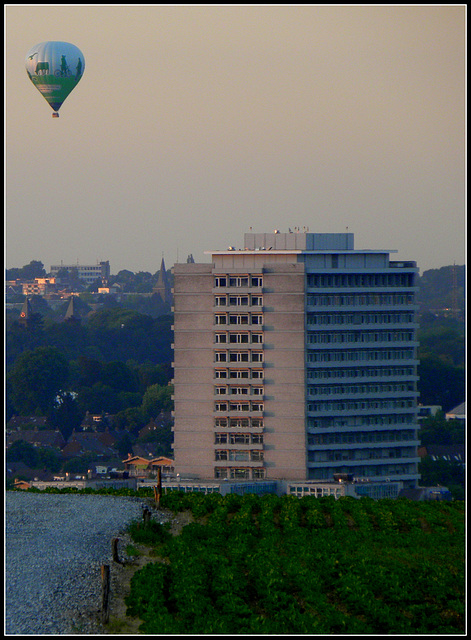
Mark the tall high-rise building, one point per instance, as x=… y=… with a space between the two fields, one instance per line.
x=295 y=358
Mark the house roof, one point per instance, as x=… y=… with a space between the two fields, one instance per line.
x=38 y=437
x=450 y=452
x=87 y=442
x=135 y=460
x=24 y=421
x=161 y=461
x=460 y=410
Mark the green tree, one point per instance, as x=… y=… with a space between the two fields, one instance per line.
x=124 y=445
x=98 y=399
x=440 y=382
x=90 y=371
x=445 y=473
x=437 y=430
x=66 y=414
x=35 y=269
x=49 y=459
x=131 y=419
x=36 y=379
x=444 y=339
x=119 y=376
x=149 y=374
x=21 y=451
x=157 y=399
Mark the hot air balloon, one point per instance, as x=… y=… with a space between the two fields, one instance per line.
x=55 y=68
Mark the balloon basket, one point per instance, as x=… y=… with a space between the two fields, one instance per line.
x=55 y=114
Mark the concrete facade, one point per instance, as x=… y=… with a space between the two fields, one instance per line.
x=295 y=358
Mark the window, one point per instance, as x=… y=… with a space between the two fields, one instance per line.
x=220 y=281
x=221 y=338
x=256 y=319
x=239 y=438
x=220 y=356
x=239 y=474
x=257 y=338
x=239 y=406
x=239 y=301
x=239 y=423
x=238 y=281
x=257 y=281
x=257 y=356
x=239 y=374
x=220 y=301
x=242 y=318
x=239 y=338
x=257 y=301
x=239 y=356
x=239 y=391
x=220 y=391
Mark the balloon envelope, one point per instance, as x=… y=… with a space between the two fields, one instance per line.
x=55 y=68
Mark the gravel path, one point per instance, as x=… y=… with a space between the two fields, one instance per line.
x=55 y=546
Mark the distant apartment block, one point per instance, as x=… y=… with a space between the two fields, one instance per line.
x=295 y=358
x=40 y=286
x=87 y=273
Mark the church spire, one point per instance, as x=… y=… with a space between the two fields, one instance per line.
x=26 y=313
x=72 y=314
x=162 y=286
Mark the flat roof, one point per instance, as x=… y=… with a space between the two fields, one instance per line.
x=298 y=251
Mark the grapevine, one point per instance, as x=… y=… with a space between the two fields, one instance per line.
x=283 y=565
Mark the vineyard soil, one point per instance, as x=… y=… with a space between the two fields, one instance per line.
x=138 y=556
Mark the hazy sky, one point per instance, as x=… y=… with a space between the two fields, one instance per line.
x=194 y=123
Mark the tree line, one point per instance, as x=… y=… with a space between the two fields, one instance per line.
x=117 y=359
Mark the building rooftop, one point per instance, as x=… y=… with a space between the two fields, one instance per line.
x=300 y=242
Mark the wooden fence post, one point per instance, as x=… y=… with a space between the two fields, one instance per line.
x=114 y=549
x=105 y=593
x=158 y=489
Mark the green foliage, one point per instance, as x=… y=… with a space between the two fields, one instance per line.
x=443 y=472
x=111 y=334
x=440 y=382
x=436 y=288
x=37 y=378
x=437 y=430
x=35 y=269
x=156 y=399
x=444 y=339
x=34 y=457
x=151 y=533
x=66 y=414
x=283 y=565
